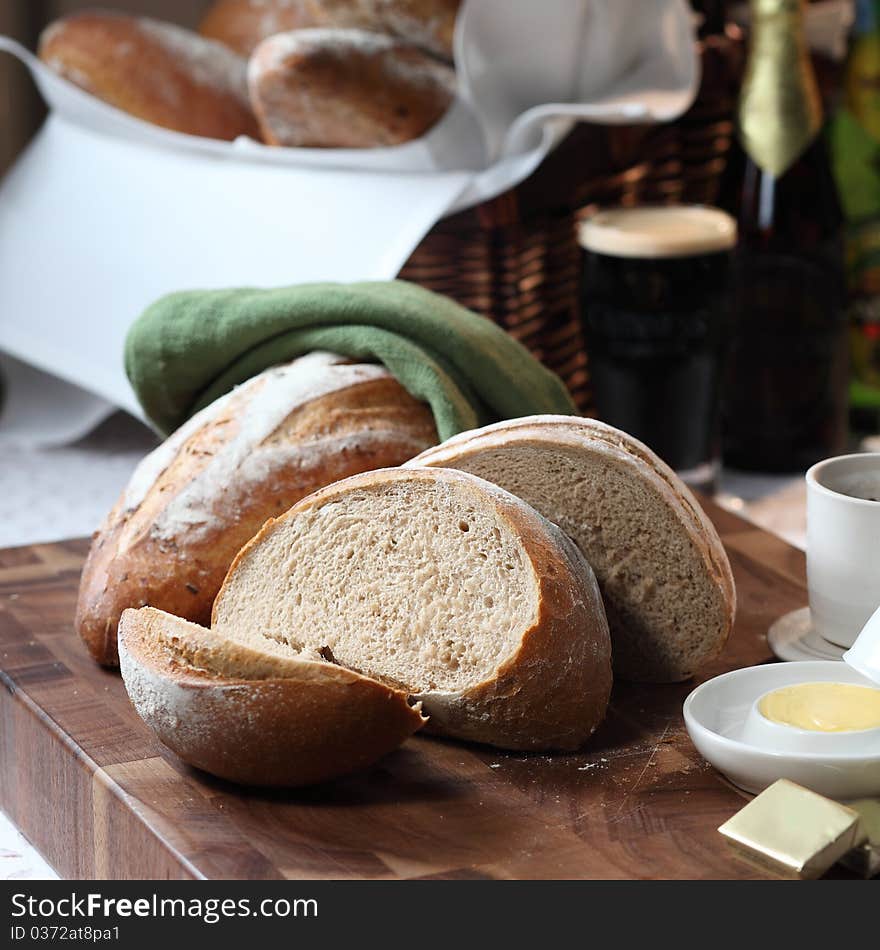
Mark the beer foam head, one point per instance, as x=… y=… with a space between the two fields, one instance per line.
x=673 y=231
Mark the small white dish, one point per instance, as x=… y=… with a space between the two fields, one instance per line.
x=716 y=714
x=793 y=637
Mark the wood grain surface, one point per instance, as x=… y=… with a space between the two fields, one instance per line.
x=89 y=785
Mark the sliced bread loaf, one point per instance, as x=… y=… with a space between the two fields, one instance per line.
x=664 y=575
x=266 y=716
x=439 y=584
x=194 y=501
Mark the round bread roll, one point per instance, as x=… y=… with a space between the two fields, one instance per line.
x=443 y=585
x=345 y=89
x=257 y=717
x=243 y=24
x=156 y=71
x=664 y=575
x=193 y=502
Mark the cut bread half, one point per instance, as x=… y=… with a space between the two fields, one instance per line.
x=443 y=586
x=266 y=716
x=664 y=575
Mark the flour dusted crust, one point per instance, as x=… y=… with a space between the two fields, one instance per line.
x=243 y=24
x=251 y=454
x=334 y=88
x=156 y=71
x=550 y=689
x=429 y=24
x=256 y=718
x=662 y=648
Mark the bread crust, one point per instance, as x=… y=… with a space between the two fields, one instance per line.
x=155 y=549
x=578 y=434
x=251 y=718
x=569 y=646
x=155 y=71
x=553 y=691
x=243 y=24
x=345 y=89
x=429 y=24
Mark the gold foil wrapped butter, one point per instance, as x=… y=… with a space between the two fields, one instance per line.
x=793 y=832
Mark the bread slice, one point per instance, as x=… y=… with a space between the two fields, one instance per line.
x=439 y=584
x=193 y=502
x=664 y=575
x=257 y=717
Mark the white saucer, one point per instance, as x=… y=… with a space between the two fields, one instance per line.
x=793 y=637
x=715 y=715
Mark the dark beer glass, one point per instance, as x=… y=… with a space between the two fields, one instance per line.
x=655 y=312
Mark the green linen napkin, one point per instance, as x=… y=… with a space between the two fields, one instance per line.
x=189 y=348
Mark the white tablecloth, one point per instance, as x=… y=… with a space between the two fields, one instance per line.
x=63 y=492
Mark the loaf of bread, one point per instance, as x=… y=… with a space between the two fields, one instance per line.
x=435 y=583
x=158 y=72
x=257 y=717
x=244 y=24
x=194 y=501
x=664 y=575
x=345 y=89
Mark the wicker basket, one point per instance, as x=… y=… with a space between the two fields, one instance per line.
x=515 y=258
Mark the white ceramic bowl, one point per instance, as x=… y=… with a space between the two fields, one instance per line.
x=716 y=713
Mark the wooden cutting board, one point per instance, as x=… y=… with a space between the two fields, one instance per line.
x=94 y=791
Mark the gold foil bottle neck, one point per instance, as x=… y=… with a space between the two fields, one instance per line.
x=780 y=110
x=771 y=7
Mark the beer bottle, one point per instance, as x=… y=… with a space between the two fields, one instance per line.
x=785 y=396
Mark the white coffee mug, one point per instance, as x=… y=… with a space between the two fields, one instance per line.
x=843 y=544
